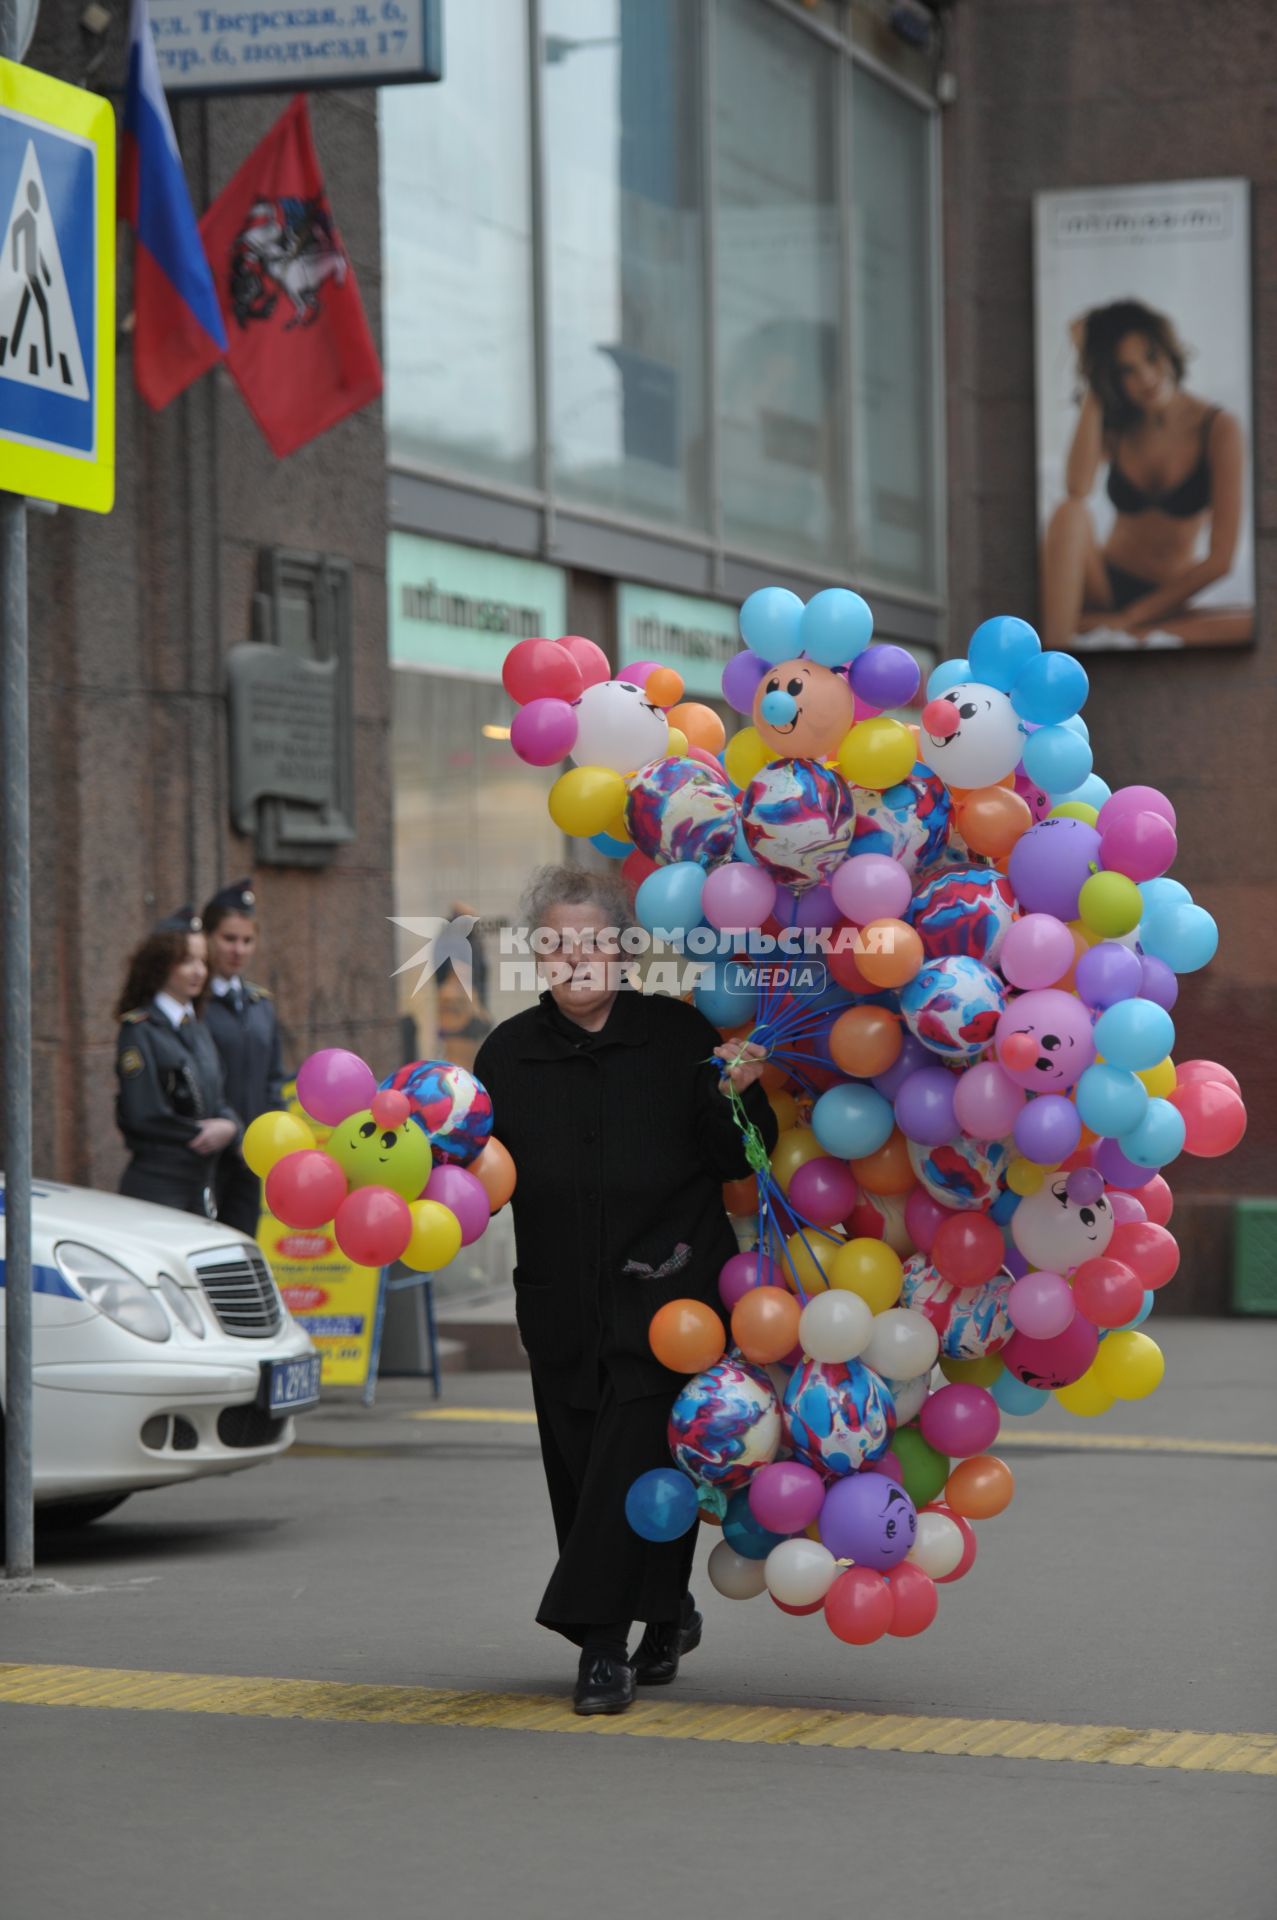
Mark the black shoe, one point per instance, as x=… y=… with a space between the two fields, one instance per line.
x=662 y=1647
x=603 y=1685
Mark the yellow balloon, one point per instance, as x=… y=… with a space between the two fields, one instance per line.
x=1129 y=1365
x=877 y=753
x=785 y=1108
x=436 y=1236
x=972 y=1373
x=745 y=753
x=1159 y=1080
x=618 y=829
x=677 y=748
x=584 y=799
x=1025 y=1177
x=811 y=1262
x=795 y=1146
x=268 y=1138
x=1083 y=932
x=869 y=1268
x=1086 y=1397
x=1075 y=810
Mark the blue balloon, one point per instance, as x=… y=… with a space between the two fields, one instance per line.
x=727 y=994
x=1013 y=1396
x=1110 y=1099
x=1181 y=935
x=661 y=1505
x=769 y=624
x=835 y=627
x=613 y=848
x=1159 y=1137
x=777 y=708
x=1001 y=649
x=670 y=898
x=1076 y=724
x=742 y=850
x=1140 y=1317
x=1004 y=1206
x=1093 y=791
x=1135 y=1034
x=741 y=1530
x=1051 y=687
x=1163 y=892
x=950 y=673
x=1056 y=759
x=853 y=1120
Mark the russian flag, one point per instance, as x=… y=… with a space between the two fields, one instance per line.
x=178 y=330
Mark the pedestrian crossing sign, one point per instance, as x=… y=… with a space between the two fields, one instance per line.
x=57 y=291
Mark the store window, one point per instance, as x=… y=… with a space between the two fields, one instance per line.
x=893 y=443
x=620 y=91
x=457 y=213
x=777 y=261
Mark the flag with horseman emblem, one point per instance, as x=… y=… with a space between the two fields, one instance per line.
x=299 y=344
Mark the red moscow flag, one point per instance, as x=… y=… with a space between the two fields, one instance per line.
x=300 y=348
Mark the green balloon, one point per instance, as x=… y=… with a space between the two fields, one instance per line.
x=373 y=1156
x=925 y=1471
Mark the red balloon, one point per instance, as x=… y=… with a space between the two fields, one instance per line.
x=541 y=670
x=914 y=1600
x=923 y=1218
x=635 y=868
x=1148 y=1250
x=859 y=1606
x=823 y=1190
x=1189 y=1070
x=967 y=1249
x=590 y=658
x=390 y=1108
x=1158 y=1201
x=1108 y=1294
x=864 y=1222
x=813 y=1607
x=373 y=1226
x=967 y=1531
x=841 y=964
x=1214 y=1117
x=305 y=1189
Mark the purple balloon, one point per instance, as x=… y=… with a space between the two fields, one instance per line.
x=737 y=896
x=885 y=676
x=1051 y=863
x=912 y=1055
x=1015 y=1263
x=1158 y=982
x=1048 y=1129
x=743 y=1272
x=1041 y=1305
x=334 y=1083
x=960 y=1420
x=543 y=732
x=1084 y=1185
x=987 y=1101
x=815 y=908
x=924 y=1106
x=1107 y=973
x=786 y=1496
x=869 y=1519
x=1118 y=1171
x=741 y=676
x=871 y=886
x=461 y=1191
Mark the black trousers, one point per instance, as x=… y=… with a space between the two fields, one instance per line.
x=168 y=1186
x=592 y=1457
x=239 y=1194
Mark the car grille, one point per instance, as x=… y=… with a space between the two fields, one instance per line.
x=241 y=1291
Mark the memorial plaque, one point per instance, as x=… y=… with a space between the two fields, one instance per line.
x=283 y=714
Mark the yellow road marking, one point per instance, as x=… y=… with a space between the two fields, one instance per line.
x=332 y=1700
x=500 y=1416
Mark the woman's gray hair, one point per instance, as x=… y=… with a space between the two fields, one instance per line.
x=575 y=887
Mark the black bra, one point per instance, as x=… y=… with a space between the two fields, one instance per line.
x=1184 y=502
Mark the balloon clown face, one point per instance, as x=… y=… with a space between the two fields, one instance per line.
x=617 y=726
x=802 y=710
x=1057 y=1229
x=373 y=1156
x=971 y=735
x=1044 y=1041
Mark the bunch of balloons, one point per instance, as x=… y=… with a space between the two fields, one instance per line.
x=407 y=1170
x=971 y=1059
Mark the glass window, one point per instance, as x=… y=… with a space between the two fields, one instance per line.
x=621 y=104
x=457 y=253
x=892 y=423
x=778 y=279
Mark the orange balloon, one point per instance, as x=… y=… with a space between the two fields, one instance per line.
x=495 y=1172
x=785 y=1108
x=765 y=1324
x=889 y=1170
x=980 y=1487
x=664 y=687
x=773 y=1078
x=687 y=1336
x=866 y=1040
x=741 y=1196
x=701 y=725
x=991 y=819
x=795 y=1146
x=891 y=953
x=1067 y=983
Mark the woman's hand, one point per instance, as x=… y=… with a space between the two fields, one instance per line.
x=213 y=1136
x=743 y=1061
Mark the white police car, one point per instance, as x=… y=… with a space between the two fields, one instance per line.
x=162 y=1351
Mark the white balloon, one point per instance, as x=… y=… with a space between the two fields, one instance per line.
x=835 y=1326
x=938 y=1545
x=987 y=744
x=1056 y=1233
x=904 y=1344
x=909 y=1396
x=799 y=1572
x=617 y=726
x=735 y=1577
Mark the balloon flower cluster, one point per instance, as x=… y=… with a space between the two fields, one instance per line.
x=405 y=1170
x=962 y=951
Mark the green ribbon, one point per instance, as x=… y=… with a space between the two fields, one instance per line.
x=755 y=1147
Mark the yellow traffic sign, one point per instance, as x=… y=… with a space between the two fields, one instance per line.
x=57 y=291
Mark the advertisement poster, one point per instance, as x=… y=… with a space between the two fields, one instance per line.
x=1144 y=416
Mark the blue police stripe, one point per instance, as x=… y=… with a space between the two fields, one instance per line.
x=47 y=1280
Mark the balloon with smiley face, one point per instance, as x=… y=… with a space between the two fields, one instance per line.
x=1044 y=1040
x=374 y=1156
x=971 y=735
x=1062 y=1224
x=617 y=726
x=802 y=710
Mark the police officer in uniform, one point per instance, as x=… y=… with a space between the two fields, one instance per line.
x=171 y=1104
x=241 y=1019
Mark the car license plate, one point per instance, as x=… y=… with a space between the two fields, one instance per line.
x=293 y=1385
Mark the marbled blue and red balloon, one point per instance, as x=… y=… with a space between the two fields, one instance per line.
x=953 y=1005
x=798 y=819
x=725 y=1423
x=680 y=809
x=909 y=822
x=838 y=1415
x=970 y=1321
x=964 y=910
x=962 y=1173
x=453 y=1108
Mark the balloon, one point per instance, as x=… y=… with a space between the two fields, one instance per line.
x=270 y=1137
x=305 y=1188
x=859 y=1607
x=940 y=1545
x=586 y=799
x=463 y=1194
x=877 y=753
x=959 y=1420
x=992 y=820
x=786 y=1496
x=1041 y=1305
x=741 y=676
x=891 y=953
x=737 y=896
x=1157 y=1139
x=543 y=732
x=869 y=1519
x=373 y=1226
x=794 y=1147
x=799 y=1572
x=802 y=710
x=823 y=1191
x=373 y=1156
x=435 y=1236
x=686 y=1336
x=494 y=1170
x=771 y=623
x=914 y=1601
x=1107 y=973
x=1214 y=1117
x=1189 y=1070
x=742 y=1272
x=1134 y=1034
x=806 y=1256
x=1044 y=1041
x=870 y=886
x=1109 y=904
x=1086 y=1397
x=868 y=1269
x=1129 y=1365
x=1048 y=1129
x=969 y=1543
x=1014 y=1397
x=1051 y=863
x=540 y=670
x=884 y=676
x=904 y=1344
x=1036 y=951
x=1147 y=1249
x=923 y=1470
x=986 y=1101
x=851 y=1122
x=834 y=627
x=732 y=1575
x=1132 y=800
x=743 y=1532
x=835 y=1326
x=1141 y=845
x=924 y=1106
x=1057 y=759
x=967 y=1249
x=590 y=659
x=699 y=725
x=745 y=755
x=1182 y=935
x=912 y=1055
x=1107 y=1292
x=661 y=1504
x=390 y=1108
x=865 y=1041
x=669 y=900
x=765 y=1323
x=333 y=1083
x=1056 y=1362
x=1001 y=648
x=980 y=1487
x=1049 y=688
x=1110 y=1100
x=970 y=735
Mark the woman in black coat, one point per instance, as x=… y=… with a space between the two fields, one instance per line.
x=615 y=1111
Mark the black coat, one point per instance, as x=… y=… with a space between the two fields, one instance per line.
x=169 y=1082
x=621 y=1142
x=247 y=1038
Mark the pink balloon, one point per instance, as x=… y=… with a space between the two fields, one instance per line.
x=823 y=1190
x=332 y=1084
x=738 y=896
x=1190 y=1070
x=743 y=1271
x=1053 y=1363
x=1036 y=951
x=923 y=1218
x=1041 y=1305
x=786 y=1496
x=987 y=1101
x=1134 y=800
x=635 y=671
x=464 y=1194
x=888 y=1466
x=1157 y=1201
x=863 y=709
x=870 y=886
x=1127 y=1209
x=960 y=1420
x=590 y=658
x=372 y=1226
x=543 y=732
x=1139 y=845
x=305 y=1188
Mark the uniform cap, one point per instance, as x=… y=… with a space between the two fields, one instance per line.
x=237 y=898
x=185 y=920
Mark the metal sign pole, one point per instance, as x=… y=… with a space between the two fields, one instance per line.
x=19 y=1553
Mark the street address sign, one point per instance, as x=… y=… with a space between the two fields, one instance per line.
x=57 y=291
x=247 y=46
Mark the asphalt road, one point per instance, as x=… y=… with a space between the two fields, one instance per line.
x=1124 y=1588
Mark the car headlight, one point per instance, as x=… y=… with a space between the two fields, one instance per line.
x=181 y=1306
x=113 y=1290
